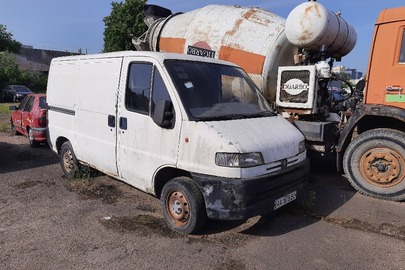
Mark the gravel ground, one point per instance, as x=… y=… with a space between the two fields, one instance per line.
x=50 y=222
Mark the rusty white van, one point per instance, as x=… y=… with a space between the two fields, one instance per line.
x=195 y=132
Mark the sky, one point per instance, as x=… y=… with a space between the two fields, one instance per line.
x=69 y=25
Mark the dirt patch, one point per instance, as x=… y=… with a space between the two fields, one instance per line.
x=142 y=224
x=231 y=265
x=397 y=232
x=30 y=184
x=384 y=228
x=89 y=189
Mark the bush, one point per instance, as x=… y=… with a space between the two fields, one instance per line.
x=11 y=74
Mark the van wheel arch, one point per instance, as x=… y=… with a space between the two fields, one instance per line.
x=59 y=142
x=164 y=175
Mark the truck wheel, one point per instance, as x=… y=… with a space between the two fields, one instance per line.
x=375 y=164
x=68 y=161
x=33 y=143
x=183 y=205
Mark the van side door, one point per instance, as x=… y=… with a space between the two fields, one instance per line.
x=143 y=146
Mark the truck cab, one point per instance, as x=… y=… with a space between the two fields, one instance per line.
x=386 y=71
x=373 y=141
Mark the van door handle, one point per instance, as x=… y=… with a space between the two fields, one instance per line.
x=111 y=121
x=123 y=123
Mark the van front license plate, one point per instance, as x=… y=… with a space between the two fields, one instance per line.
x=284 y=200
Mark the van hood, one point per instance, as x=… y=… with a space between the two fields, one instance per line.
x=274 y=137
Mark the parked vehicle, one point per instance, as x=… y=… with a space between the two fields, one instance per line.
x=291 y=61
x=29 y=118
x=195 y=132
x=15 y=93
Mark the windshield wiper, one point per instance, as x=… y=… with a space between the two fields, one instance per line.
x=263 y=114
x=237 y=116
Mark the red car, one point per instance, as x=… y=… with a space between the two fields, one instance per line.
x=29 y=118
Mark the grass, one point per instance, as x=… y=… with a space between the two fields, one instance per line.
x=5 y=127
x=5 y=121
x=4 y=107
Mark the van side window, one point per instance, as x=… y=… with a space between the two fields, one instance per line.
x=402 y=52
x=159 y=90
x=137 y=93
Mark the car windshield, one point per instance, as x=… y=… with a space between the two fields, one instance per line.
x=216 y=92
x=21 y=89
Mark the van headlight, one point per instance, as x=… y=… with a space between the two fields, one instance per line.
x=240 y=160
x=301 y=147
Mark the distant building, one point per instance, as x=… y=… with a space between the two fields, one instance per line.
x=352 y=73
x=37 y=59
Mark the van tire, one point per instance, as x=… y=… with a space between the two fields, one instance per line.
x=68 y=161
x=183 y=205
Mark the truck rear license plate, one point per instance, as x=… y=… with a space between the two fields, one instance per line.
x=284 y=200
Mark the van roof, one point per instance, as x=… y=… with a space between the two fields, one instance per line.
x=156 y=55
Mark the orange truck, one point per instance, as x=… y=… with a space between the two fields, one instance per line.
x=291 y=62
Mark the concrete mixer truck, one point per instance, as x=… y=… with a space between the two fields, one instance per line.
x=291 y=60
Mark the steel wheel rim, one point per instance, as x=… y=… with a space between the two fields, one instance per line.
x=178 y=208
x=68 y=163
x=382 y=167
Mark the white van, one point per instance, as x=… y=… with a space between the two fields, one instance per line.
x=194 y=131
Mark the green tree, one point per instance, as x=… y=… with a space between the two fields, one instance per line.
x=124 y=22
x=9 y=72
x=7 y=43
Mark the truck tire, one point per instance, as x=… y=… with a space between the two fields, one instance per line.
x=183 y=205
x=68 y=162
x=374 y=162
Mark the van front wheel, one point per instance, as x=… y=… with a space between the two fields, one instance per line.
x=68 y=160
x=183 y=205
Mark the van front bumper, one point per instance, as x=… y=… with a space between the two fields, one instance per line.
x=238 y=199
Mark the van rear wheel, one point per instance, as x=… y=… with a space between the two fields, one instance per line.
x=68 y=161
x=183 y=205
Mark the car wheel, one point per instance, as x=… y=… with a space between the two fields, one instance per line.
x=13 y=131
x=68 y=162
x=183 y=205
x=375 y=164
x=31 y=139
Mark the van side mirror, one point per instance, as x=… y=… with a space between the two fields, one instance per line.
x=163 y=113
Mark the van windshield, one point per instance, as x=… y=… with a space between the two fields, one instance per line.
x=211 y=91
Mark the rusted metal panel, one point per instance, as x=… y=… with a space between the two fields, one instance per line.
x=174 y=45
x=250 y=62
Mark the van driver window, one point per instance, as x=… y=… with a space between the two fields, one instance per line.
x=137 y=93
x=159 y=90
x=402 y=52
